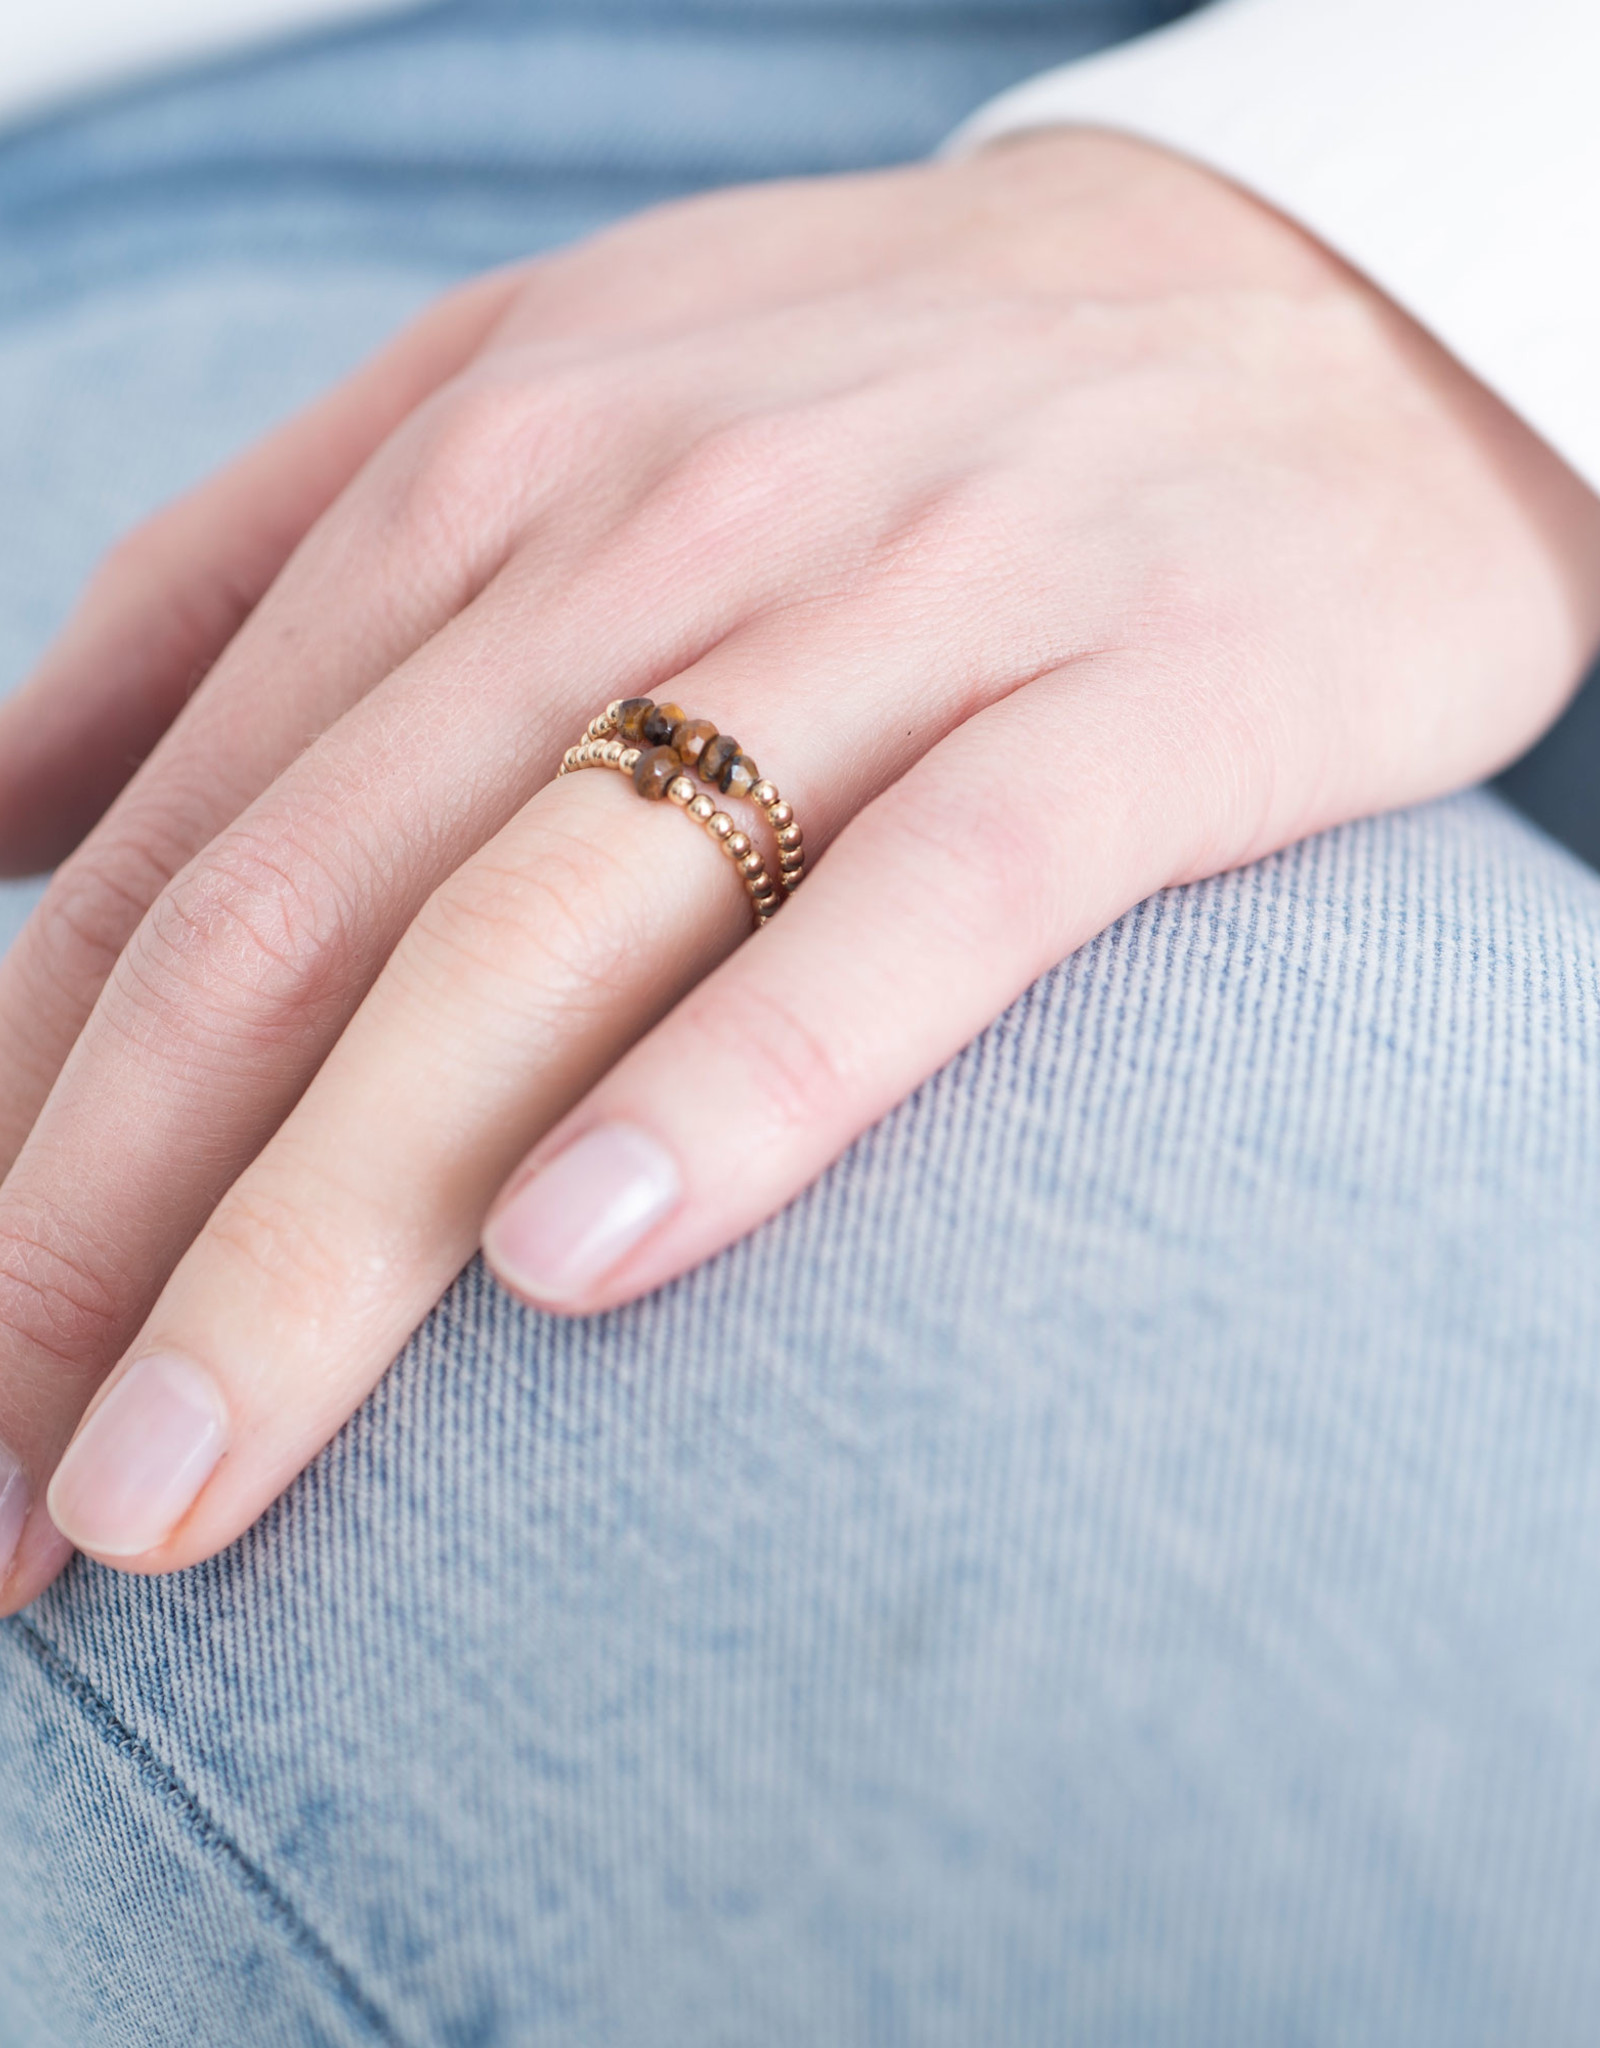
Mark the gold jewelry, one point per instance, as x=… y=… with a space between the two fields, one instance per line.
x=658 y=745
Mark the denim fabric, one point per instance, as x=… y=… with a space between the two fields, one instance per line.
x=1118 y=1561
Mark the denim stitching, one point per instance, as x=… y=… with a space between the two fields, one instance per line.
x=161 y=1779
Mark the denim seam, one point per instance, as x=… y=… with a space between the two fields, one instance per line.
x=213 y=1839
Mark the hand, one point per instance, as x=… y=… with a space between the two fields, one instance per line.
x=1054 y=526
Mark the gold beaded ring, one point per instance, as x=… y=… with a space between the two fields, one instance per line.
x=657 y=744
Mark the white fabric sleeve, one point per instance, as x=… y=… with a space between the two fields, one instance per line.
x=50 y=48
x=1449 y=149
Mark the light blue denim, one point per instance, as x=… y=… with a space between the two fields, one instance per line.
x=1117 y=1562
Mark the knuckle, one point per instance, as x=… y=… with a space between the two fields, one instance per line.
x=562 y=922
x=54 y=1295
x=257 y=929
x=444 y=485
x=479 y=454
x=970 y=535
x=459 y=440
x=800 y=1078
x=87 y=914
x=743 y=469
x=285 y=1242
x=994 y=872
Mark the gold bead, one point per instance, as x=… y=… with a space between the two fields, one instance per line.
x=719 y=824
x=702 y=807
x=680 y=790
x=781 y=814
x=752 y=863
x=789 y=838
x=737 y=844
x=613 y=752
x=613 y=711
x=792 y=859
x=627 y=760
x=764 y=793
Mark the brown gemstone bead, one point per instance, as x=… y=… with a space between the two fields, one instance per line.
x=629 y=713
x=715 y=756
x=692 y=737
x=658 y=724
x=654 y=769
x=739 y=777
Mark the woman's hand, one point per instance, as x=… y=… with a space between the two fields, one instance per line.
x=1053 y=526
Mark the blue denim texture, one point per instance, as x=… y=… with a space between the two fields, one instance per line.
x=1116 y=1562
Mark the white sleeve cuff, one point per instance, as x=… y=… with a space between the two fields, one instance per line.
x=1449 y=149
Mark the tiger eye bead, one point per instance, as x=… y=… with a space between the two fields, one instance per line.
x=691 y=738
x=654 y=769
x=739 y=777
x=715 y=757
x=629 y=713
x=658 y=724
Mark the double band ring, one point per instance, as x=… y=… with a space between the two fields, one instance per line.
x=659 y=745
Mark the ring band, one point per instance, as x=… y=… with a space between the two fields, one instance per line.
x=657 y=745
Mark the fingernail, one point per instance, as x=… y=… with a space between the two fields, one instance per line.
x=580 y=1213
x=13 y=1508
x=133 y=1471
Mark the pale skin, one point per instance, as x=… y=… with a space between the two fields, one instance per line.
x=1054 y=526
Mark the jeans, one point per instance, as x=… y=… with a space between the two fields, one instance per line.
x=1117 y=1561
